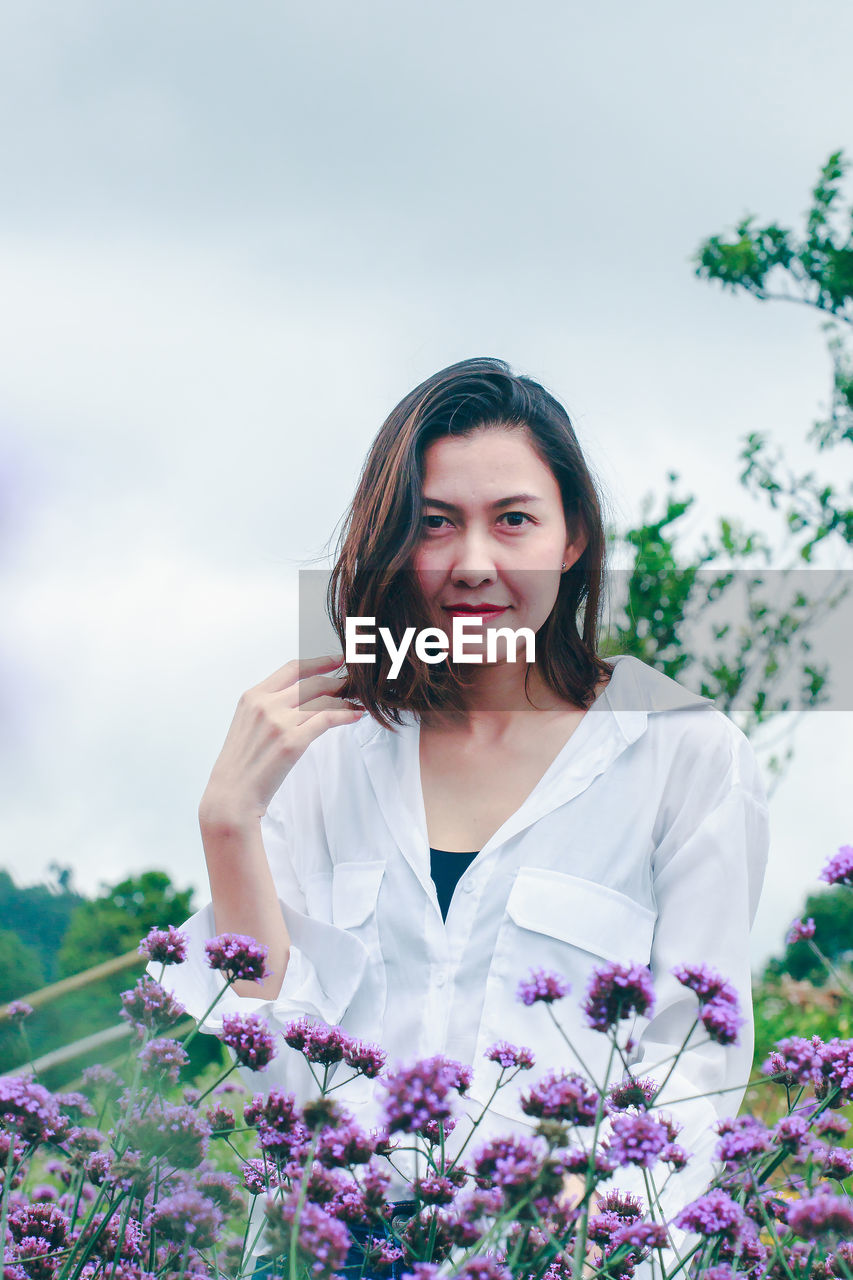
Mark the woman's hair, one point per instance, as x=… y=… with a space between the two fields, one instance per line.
x=382 y=528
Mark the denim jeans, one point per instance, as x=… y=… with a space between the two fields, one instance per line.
x=355 y=1267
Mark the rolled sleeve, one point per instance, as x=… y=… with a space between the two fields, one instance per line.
x=326 y=963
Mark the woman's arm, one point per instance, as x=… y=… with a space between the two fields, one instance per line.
x=244 y=895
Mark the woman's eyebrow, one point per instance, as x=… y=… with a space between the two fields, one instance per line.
x=500 y=502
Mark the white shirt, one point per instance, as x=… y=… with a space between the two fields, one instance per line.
x=645 y=841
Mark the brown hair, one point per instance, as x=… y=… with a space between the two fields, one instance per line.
x=383 y=527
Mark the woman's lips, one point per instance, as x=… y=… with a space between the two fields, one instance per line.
x=473 y=613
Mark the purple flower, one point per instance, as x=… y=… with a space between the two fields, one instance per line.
x=238 y=956
x=258 y=1176
x=640 y=1237
x=836 y=1065
x=615 y=991
x=627 y=1207
x=41 y=1221
x=796 y=1060
x=741 y=1139
x=418 y=1094
x=576 y=1160
x=542 y=985
x=165 y=946
x=221 y=1119
x=561 y=1095
x=831 y=1123
x=18 y=1010
x=317 y=1041
x=277 y=1121
x=100 y=1077
x=148 y=1007
x=509 y=1055
x=637 y=1140
x=345 y=1145
x=432 y=1132
x=222 y=1188
x=721 y=1019
x=249 y=1039
x=322 y=1240
x=633 y=1093
x=435 y=1189
x=837 y=1163
x=800 y=931
x=98 y=1167
x=484 y=1267
x=705 y=981
x=368 y=1059
x=839 y=868
x=177 y=1132
x=29 y=1110
x=714 y=1214
x=187 y=1215
x=818 y=1215
x=164 y=1058
x=74 y=1104
x=509 y=1162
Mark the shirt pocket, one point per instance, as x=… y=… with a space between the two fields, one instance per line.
x=355 y=907
x=569 y=926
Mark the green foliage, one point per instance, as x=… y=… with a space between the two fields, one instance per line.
x=672 y=600
x=114 y=922
x=832 y=912
x=39 y=915
x=814 y=269
x=93 y=931
x=21 y=969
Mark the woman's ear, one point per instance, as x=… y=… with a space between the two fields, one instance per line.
x=575 y=549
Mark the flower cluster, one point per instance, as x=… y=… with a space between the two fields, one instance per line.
x=239 y=957
x=137 y=1196
x=719 y=1007
x=418 y=1095
x=615 y=992
x=800 y=931
x=249 y=1039
x=839 y=868
x=542 y=986
x=165 y=946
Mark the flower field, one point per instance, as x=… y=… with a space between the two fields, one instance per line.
x=146 y=1170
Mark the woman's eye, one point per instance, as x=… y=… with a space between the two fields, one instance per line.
x=523 y=515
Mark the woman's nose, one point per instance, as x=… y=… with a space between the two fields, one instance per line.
x=473 y=557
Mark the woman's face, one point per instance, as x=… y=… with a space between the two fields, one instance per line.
x=493 y=532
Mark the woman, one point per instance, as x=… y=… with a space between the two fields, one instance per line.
x=410 y=848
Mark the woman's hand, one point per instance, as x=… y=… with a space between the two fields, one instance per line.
x=274 y=723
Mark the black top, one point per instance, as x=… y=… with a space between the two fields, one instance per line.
x=446 y=868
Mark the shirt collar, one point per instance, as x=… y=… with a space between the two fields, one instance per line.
x=617 y=718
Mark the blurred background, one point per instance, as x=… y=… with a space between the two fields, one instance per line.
x=232 y=239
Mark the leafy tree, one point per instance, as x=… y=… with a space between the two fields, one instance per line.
x=114 y=922
x=814 y=270
x=832 y=912
x=21 y=969
x=682 y=613
x=105 y=927
x=38 y=914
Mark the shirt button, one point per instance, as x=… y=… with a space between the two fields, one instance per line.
x=440 y=978
x=468 y=886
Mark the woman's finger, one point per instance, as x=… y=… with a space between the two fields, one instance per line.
x=298 y=669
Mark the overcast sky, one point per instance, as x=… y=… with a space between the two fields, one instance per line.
x=231 y=238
